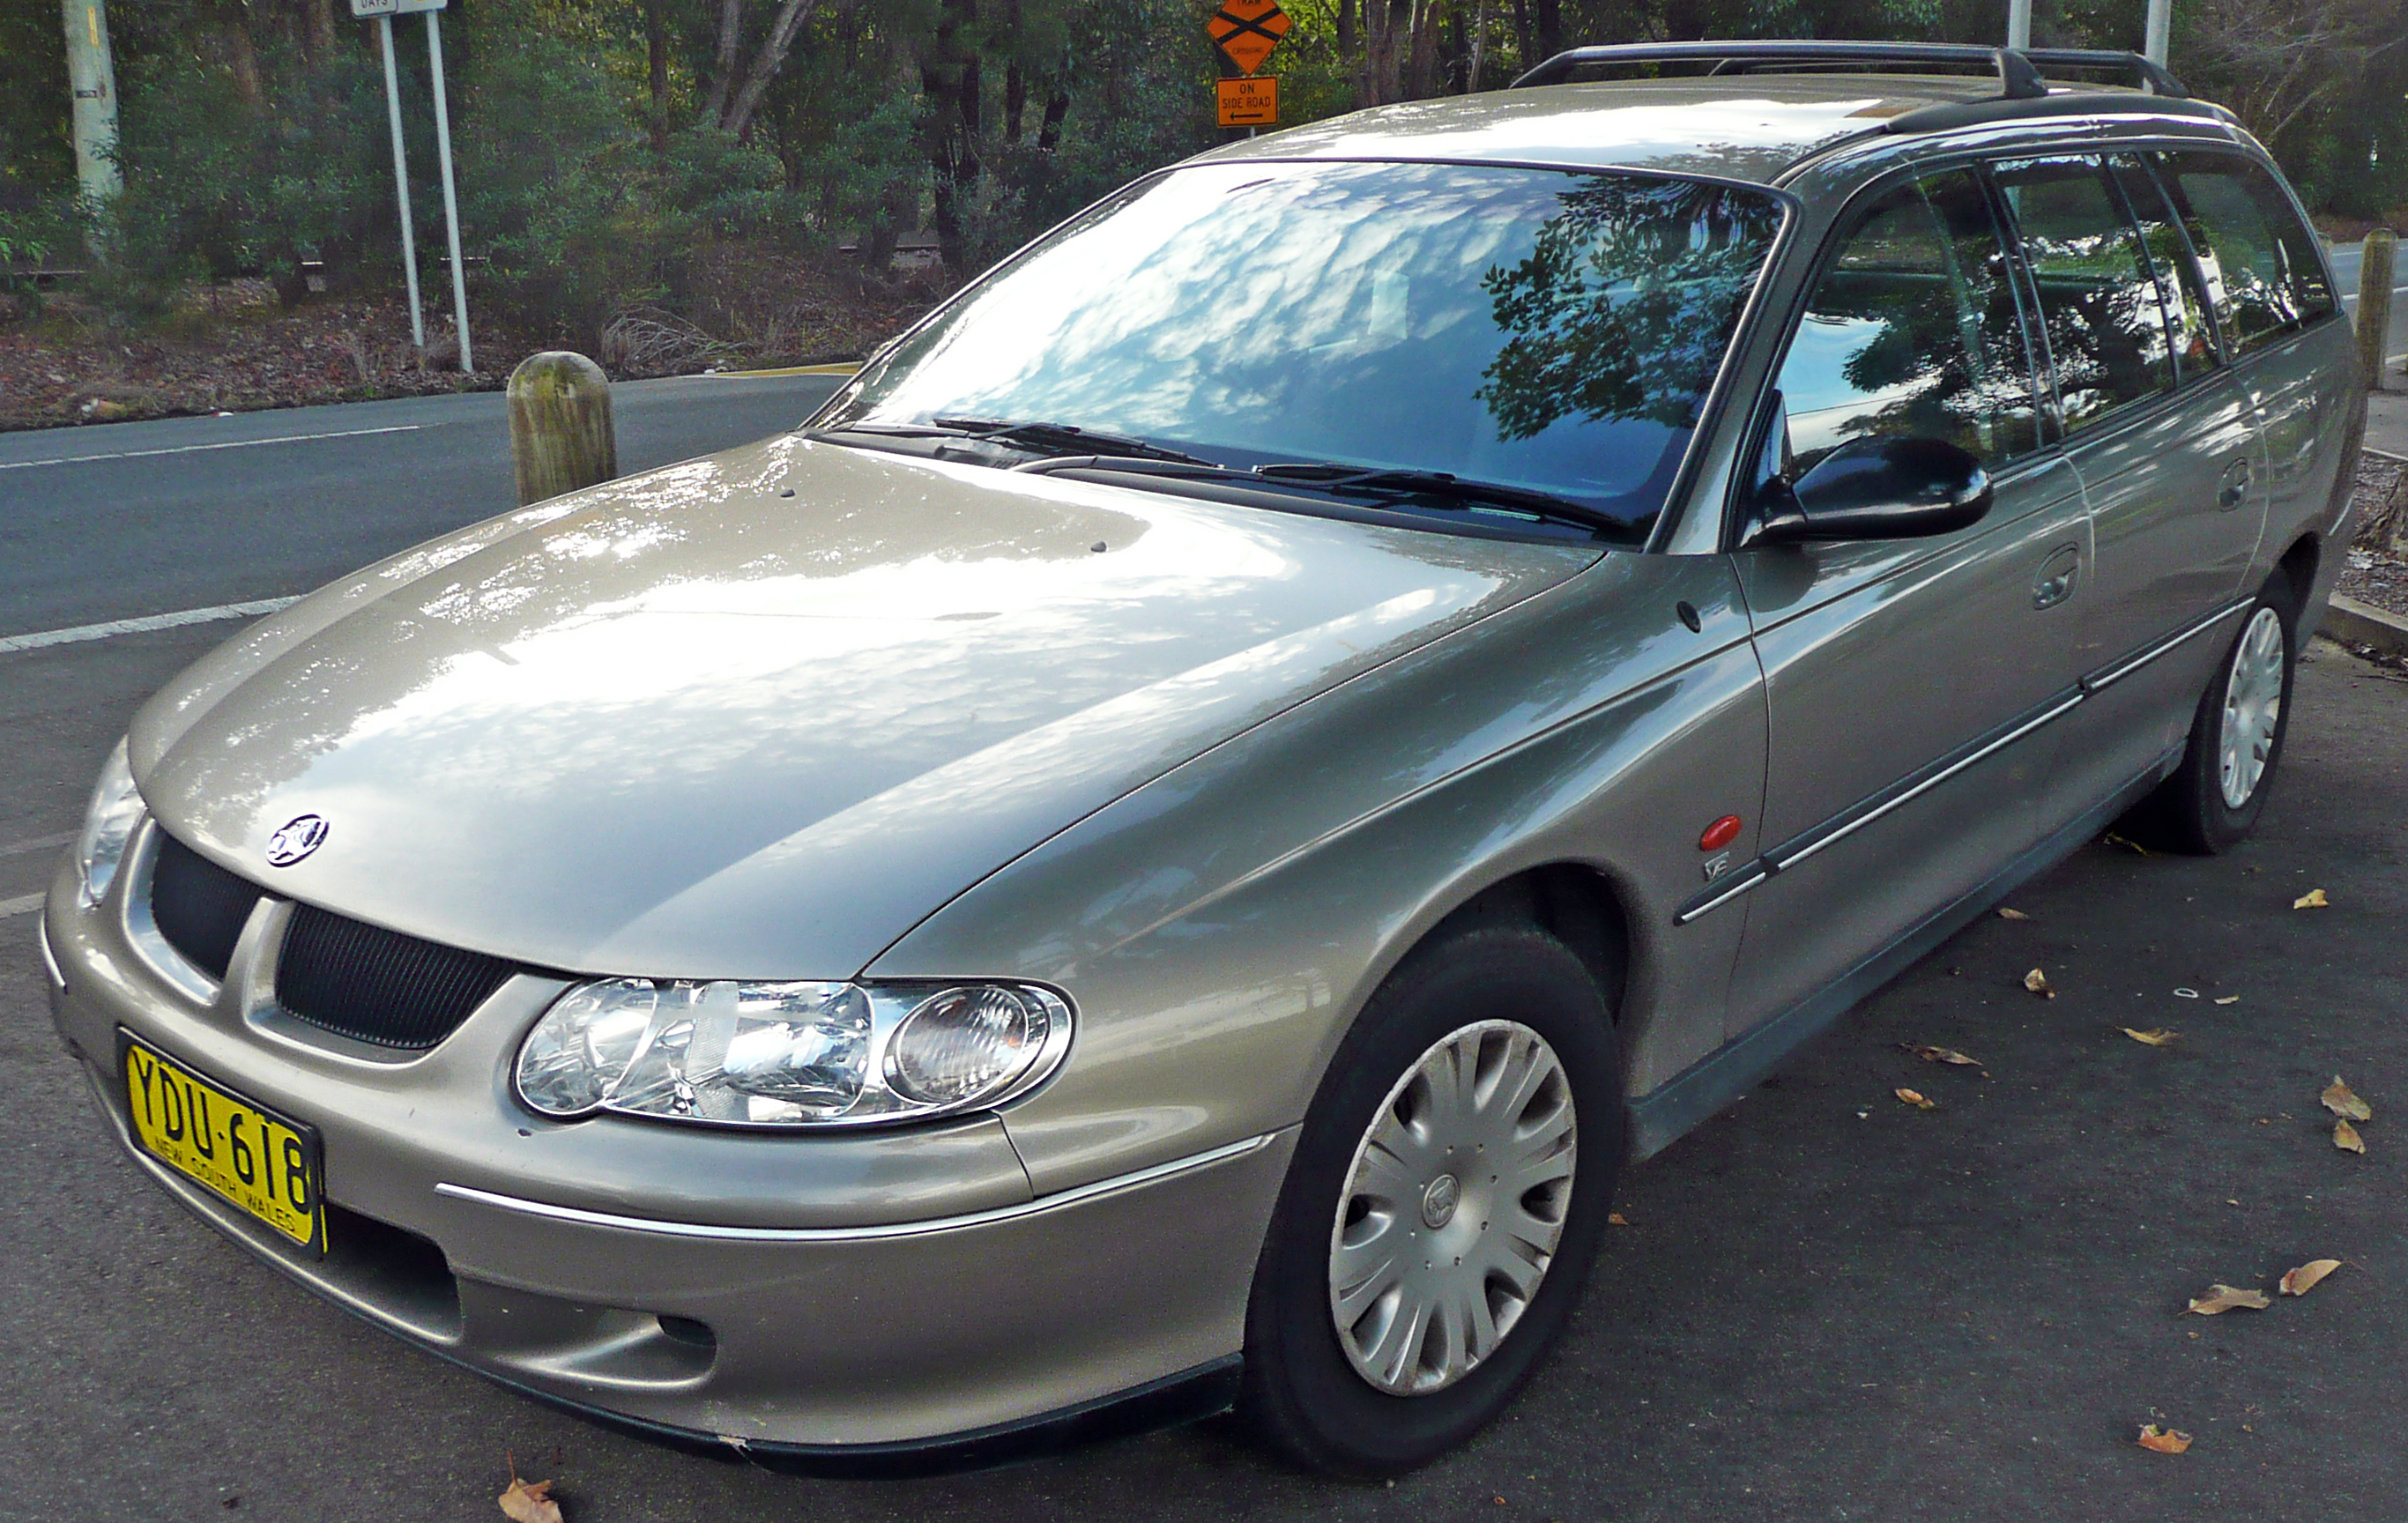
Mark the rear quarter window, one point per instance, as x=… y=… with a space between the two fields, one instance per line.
x=2259 y=261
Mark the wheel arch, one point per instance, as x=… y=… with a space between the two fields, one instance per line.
x=1574 y=902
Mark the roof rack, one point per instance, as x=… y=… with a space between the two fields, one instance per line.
x=2018 y=71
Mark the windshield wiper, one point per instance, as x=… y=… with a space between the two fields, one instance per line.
x=1368 y=481
x=1051 y=439
x=1065 y=436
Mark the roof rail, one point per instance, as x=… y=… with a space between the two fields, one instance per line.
x=2019 y=79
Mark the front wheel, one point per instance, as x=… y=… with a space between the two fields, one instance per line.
x=1443 y=1207
x=2236 y=738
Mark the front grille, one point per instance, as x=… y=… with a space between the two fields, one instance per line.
x=378 y=986
x=198 y=906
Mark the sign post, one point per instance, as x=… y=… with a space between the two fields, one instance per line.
x=1247 y=31
x=382 y=12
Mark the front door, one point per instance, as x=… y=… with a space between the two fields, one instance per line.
x=1909 y=683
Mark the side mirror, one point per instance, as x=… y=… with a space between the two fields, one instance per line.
x=1877 y=489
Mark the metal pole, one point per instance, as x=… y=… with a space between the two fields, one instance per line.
x=2018 y=24
x=2161 y=17
x=93 y=78
x=450 y=203
x=401 y=182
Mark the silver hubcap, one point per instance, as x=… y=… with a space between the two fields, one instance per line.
x=2253 y=704
x=1453 y=1207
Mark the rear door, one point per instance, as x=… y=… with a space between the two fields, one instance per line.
x=2164 y=439
x=1908 y=680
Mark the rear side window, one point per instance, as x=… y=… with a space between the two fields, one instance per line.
x=1912 y=332
x=2178 y=279
x=2258 y=258
x=2098 y=299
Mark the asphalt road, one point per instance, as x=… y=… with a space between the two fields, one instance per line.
x=122 y=520
x=1828 y=1305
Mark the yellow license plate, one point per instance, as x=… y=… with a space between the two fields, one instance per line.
x=258 y=1161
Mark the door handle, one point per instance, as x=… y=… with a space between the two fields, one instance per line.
x=2236 y=485
x=2057 y=575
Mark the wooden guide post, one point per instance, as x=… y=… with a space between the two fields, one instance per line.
x=561 y=434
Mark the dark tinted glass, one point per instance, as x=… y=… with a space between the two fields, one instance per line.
x=1550 y=330
x=1913 y=333
x=2194 y=341
x=2260 y=262
x=2098 y=302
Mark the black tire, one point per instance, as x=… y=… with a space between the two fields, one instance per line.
x=2189 y=813
x=1300 y=1392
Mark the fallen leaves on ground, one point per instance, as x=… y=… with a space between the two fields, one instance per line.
x=2225 y=1298
x=2111 y=838
x=2154 y=1037
x=2228 y=999
x=528 y=1502
x=1615 y=1218
x=2163 y=1440
x=2313 y=899
x=2013 y=915
x=1915 y=1098
x=2037 y=982
x=2340 y=1102
x=2345 y=1137
x=2300 y=1281
x=1930 y=1054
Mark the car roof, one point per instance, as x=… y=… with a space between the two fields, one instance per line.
x=1745 y=127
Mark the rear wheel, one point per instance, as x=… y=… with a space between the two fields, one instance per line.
x=1443 y=1207
x=2214 y=799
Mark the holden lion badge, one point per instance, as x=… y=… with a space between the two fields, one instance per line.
x=299 y=837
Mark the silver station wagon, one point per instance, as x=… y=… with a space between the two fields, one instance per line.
x=1164 y=849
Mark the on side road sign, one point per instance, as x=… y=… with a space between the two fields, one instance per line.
x=363 y=9
x=1250 y=102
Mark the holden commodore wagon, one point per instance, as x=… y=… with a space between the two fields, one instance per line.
x=1163 y=851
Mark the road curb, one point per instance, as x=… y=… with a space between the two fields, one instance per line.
x=2354 y=623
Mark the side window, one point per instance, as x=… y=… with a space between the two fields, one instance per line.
x=2260 y=263
x=2170 y=257
x=2097 y=299
x=1913 y=333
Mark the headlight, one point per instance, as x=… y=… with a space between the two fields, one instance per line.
x=108 y=824
x=789 y=1055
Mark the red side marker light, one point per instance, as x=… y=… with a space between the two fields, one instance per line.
x=1719 y=834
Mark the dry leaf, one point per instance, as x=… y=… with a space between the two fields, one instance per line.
x=2300 y=1281
x=2345 y=1137
x=2340 y=1102
x=2164 y=1441
x=2224 y=1297
x=2154 y=1037
x=2037 y=982
x=1930 y=1054
x=1912 y=1098
x=2228 y=999
x=2013 y=915
x=2313 y=899
x=529 y=1502
x=1615 y=1218
x=2111 y=838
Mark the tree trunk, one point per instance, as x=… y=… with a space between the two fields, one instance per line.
x=1524 y=48
x=656 y=54
x=1049 y=135
x=1424 y=71
x=1548 y=26
x=790 y=16
x=723 y=68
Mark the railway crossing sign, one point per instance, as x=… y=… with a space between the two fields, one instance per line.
x=1248 y=29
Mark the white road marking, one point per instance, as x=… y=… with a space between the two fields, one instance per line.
x=40 y=844
x=228 y=444
x=135 y=626
x=18 y=907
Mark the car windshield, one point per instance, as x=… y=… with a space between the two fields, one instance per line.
x=1547 y=330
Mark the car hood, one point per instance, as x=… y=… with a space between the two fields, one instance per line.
x=688 y=724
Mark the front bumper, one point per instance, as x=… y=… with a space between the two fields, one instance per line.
x=869 y=1295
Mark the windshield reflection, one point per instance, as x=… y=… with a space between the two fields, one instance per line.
x=1549 y=330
